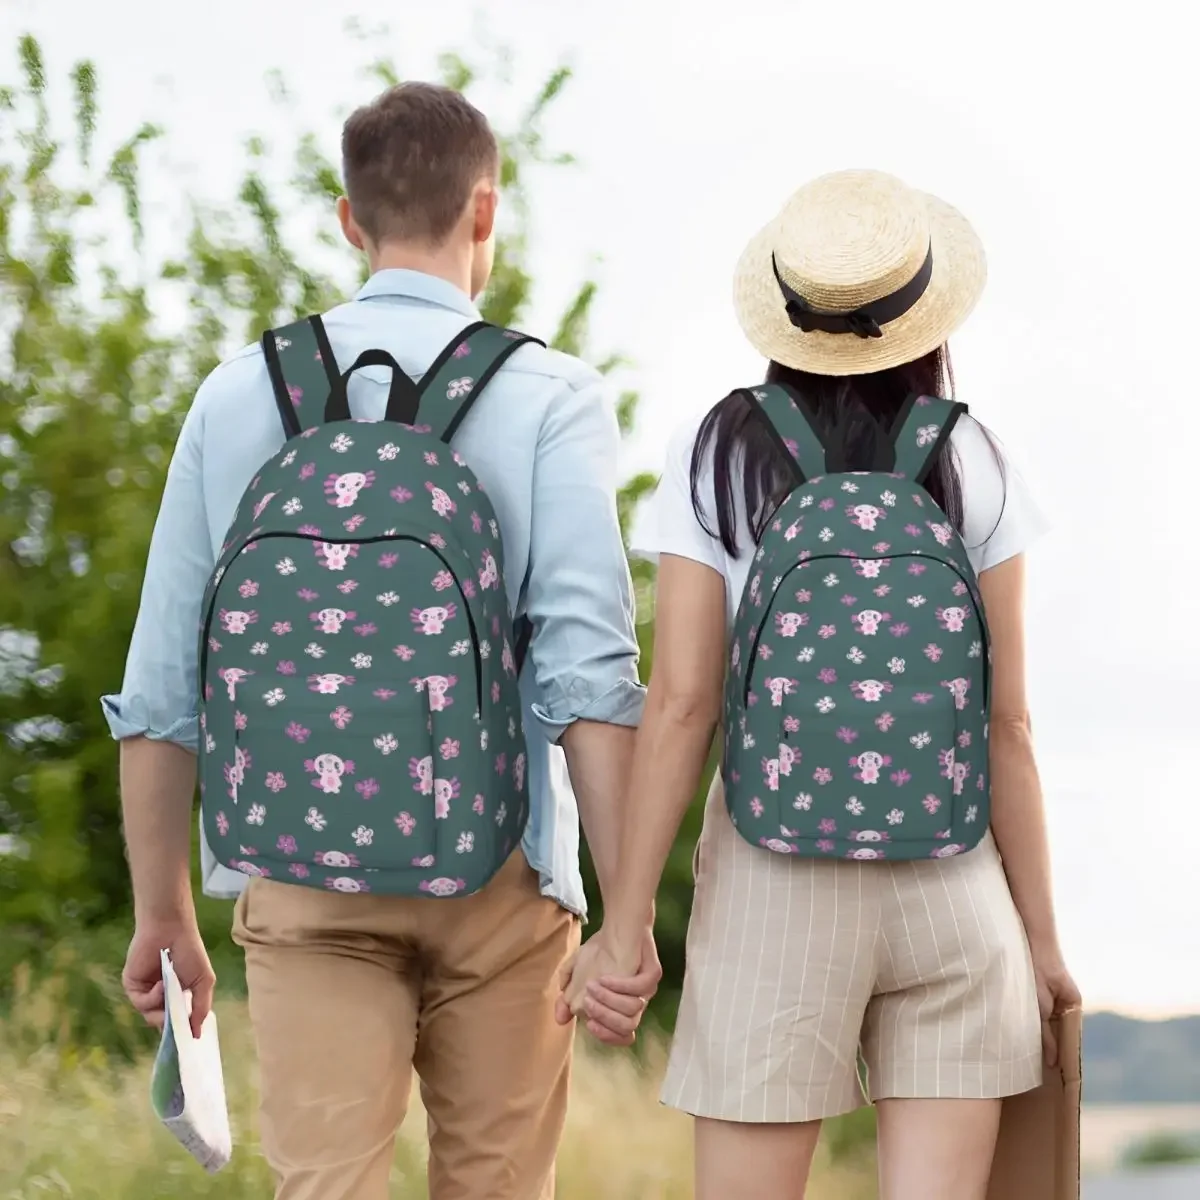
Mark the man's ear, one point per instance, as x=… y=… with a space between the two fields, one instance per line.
x=487 y=198
x=350 y=229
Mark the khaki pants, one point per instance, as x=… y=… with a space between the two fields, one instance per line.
x=348 y=993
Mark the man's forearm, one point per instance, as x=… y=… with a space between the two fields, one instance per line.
x=158 y=781
x=598 y=759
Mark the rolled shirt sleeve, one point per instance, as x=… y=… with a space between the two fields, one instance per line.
x=160 y=692
x=579 y=594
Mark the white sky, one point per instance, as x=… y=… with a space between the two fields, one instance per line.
x=1067 y=136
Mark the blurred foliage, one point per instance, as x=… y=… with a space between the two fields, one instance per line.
x=1162 y=1149
x=93 y=387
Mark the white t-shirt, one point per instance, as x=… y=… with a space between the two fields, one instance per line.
x=1000 y=517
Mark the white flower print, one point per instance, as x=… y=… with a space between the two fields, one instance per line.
x=288 y=459
x=920 y=740
x=849 y=487
x=896 y=666
x=361 y=661
x=386 y=743
x=464 y=487
x=259 y=648
x=363 y=836
x=888 y=498
x=387 y=599
x=916 y=601
x=854 y=806
x=805 y=501
x=483 y=739
x=512 y=728
x=747 y=741
x=292 y=506
x=976 y=650
x=459 y=387
x=388 y=451
x=274 y=696
x=805 y=655
x=776 y=582
x=895 y=817
x=210 y=742
x=826 y=534
x=494 y=528
x=461 y=648
x=314 y=651
x=466 y=843
x=282 y=343
x=315 y=819
x=256 y=814
x=285 y=566
x=341 y=443
x=926 y=434
x=972 y=813
x=501 y=813
x=856 y=656
x=803 y=801
x=826 y=704
x=830 y=580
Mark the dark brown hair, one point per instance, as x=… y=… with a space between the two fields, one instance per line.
x=410 y=159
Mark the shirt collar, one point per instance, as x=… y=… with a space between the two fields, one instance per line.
x=415 y=285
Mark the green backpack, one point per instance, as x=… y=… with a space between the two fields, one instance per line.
x=856 y=703
x=360 y=714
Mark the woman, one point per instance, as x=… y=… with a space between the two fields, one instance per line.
x=941 y=972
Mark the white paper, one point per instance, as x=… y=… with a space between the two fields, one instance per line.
x=187 y=1088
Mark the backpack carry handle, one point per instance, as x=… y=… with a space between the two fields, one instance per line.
x=922 y=427
x=403 y=397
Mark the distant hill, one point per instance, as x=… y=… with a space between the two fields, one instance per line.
x=1127 y=1061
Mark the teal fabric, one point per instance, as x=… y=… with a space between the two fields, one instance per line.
x=925 y=424
x=799 y=437
x=856 y=707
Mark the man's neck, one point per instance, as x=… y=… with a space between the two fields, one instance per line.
x=451 y=263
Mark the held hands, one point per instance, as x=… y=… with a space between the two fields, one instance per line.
x=142 y=977
x=1056 y=992
x=609 y=987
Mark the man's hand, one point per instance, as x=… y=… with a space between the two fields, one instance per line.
x=610 y=988
x=142 y=977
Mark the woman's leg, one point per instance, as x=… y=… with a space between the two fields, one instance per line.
x=936 y=1149
x=736 y=1160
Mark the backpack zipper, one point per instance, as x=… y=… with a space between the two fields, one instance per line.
x=386 y=537
x=976 y=605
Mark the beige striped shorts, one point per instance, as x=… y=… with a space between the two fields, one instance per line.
x=801 y=970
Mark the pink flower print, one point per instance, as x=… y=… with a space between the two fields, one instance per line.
x=964 y=739
x=756 y=807
x=764 y=651
x=468 y=587
x=431 y=459
x=248 y=588
x=449 y=748
x=933 y=652
x=496 y=693
x=353 y=522
x=307 y=594
x=436 y=539
x=922 y=698
x=959 y=589
x=791 y=724
x=793 y=447
x=281 y=627
x=366 y=629
x=884 y=722
x=389 y=560
x=827 y=675
x=341 y=716
x=297 y=732
x=308 y=470
x=913 y=530
x=931 y=803
x=882 y=590
x=441 y=502
x=501 y=763
x=347 y=586
x=239 y=720
x=366 y=788
x=295 y=395
x=286 y=667
x=299 y=870
x=495 y=627
x=901 y=777
x=383 y=693
x=404 y=653
x=222 y=824
x=803 y=596
x=899 y=629
x=916 y=568
x=443 y=580
x=462 y=350
x=828 y=825
x=823 y=775
x=825 y=846
x=476 y=522
x=286 y=844
x=406 y=823
x=400 y=494
x=827 y=631
x=847 y=735
x=214 y=645
x=882 y=548
x=849 y=600
x=827 y=504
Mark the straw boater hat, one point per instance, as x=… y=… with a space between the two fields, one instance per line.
x=858 y=273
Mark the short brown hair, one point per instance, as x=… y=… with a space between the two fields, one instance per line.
x=410 y=159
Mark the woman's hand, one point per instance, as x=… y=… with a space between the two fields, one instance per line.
x=1056 y=992
x=609 y=986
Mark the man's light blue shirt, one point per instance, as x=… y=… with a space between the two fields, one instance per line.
x=544 y=442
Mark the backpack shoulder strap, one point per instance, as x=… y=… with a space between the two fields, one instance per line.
x=461 y=372
x=303 y=372
x=794 y=428
x=922 y=427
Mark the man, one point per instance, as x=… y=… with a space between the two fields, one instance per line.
x=349 y=992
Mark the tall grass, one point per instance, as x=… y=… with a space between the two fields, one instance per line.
x=74 y=1123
